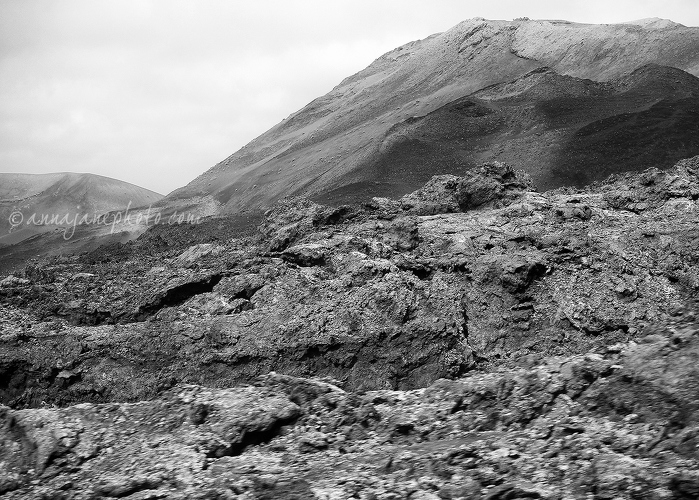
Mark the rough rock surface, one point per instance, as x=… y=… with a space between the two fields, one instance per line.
x=475 y=339
x=493 y=184
x=622 y=423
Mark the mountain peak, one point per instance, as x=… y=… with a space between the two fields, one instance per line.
x=656 y=23
x=63 y=193
x=344 y=138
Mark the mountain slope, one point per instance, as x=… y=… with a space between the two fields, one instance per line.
x=323 y=145
x=64 y=195
x=562 y=130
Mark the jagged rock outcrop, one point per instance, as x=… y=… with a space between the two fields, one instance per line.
x=621 y=423
x=493 y=184
x=473 y=339
x=374 y=296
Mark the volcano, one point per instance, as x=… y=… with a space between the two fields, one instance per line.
x=568 y=102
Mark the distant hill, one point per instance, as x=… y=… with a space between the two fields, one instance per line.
x=63 y=195
x=477 y=92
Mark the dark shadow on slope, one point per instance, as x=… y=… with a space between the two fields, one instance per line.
x=415 y=150
x=405 y=166
x=656 y=137
x=561 y=130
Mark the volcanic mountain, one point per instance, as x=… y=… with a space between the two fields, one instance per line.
x=61 y=195
x=562 y=130
x=569 y=103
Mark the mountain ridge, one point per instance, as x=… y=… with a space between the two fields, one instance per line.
x=62 y=193
x=10 y=179
x=336 y=133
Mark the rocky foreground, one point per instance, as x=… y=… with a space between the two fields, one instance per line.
x=474 y=339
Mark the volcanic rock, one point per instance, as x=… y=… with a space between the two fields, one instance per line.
x=534 y=345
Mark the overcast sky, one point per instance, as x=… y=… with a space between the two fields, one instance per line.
x=156 y=92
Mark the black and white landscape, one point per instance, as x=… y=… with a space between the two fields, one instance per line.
x=469 y=271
